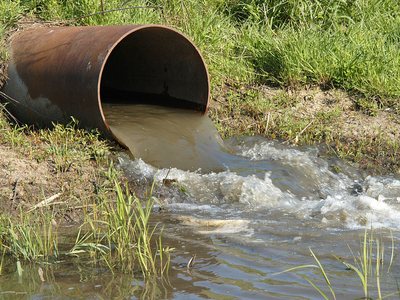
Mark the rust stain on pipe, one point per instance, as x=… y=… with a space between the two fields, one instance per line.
x=59 y=72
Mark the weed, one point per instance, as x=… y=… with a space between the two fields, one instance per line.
x=115 y=233
x=363 y=265
x=28 y=239
x=66 y=145
x=120 y=233
x=128 y=229
x=10 y=12
x=370 y=107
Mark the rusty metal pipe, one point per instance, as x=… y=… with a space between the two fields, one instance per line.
x=58 y=72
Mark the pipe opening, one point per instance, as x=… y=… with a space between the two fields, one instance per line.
x=155 y=65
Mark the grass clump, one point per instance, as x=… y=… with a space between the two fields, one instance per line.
x=66 y=145
x=368 y=266
x=69 y=145
x=116 y=234
x=27 y=238
x=10 y=12
x=120 y=233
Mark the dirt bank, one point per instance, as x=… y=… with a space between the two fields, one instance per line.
x=331 y=118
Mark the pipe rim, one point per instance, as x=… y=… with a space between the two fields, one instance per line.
x=125 y=35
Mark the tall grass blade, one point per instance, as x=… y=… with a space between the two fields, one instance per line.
x=392 y=257
x=323 y=273
x=19 y=268
x=318 y=289
x=378 y=263
x=2 y=261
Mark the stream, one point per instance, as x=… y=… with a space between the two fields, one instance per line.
x=247 y=208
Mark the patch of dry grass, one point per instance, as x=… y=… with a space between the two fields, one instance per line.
x=310 y=115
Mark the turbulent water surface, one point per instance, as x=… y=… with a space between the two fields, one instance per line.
x=256 y=214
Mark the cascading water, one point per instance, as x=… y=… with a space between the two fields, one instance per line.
x=251 y=171
x=267 y=202
x=167 y=137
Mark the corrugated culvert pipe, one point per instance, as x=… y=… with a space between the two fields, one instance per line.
x=58 y=72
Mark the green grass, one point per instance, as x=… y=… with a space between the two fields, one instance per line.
x=29 y=239
x=116 y=233
x=119 y=234
x=10 y=12
x=65 y=145
x=69 y=145
x=348 y=44
x=369 y=266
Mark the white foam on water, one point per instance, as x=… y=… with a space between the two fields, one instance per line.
x=384 y=186
x=330 y=202
x=314 y=170
x=219 y=227
x=223 y=187
x=355 y=212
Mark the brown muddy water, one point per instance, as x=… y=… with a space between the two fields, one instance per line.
x=167 y=137
x=253 y=211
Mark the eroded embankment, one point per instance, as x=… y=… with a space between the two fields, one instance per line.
x=366 y=138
